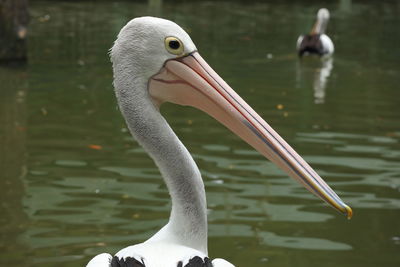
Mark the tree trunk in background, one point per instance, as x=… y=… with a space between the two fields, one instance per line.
x=14 y=19
x=13 y=166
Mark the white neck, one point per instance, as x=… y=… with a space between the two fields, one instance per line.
x=321 y=24
x=187 y=225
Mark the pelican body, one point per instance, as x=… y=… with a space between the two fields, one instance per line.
x=155 y=61
x=317 y=42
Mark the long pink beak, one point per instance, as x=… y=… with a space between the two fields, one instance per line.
x=190 y=81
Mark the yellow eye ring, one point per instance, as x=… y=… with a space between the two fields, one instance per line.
x=174 y=45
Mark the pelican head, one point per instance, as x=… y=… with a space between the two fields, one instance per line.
x=155 y=61
x=145 y=44
x=323 y=14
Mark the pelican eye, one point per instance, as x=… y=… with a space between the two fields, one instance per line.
x=174 y=45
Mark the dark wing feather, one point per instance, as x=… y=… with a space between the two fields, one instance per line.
x=127 y=262
x=132 y=262
x=311 y=44
x=197 y=262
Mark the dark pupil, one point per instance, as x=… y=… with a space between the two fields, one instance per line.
x=174 y=44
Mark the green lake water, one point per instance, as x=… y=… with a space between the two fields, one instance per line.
x=73 y=182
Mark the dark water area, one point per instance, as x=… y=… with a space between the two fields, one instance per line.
x=73 y=182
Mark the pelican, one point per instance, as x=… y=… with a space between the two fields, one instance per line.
x=155 y=61
x=317 y=42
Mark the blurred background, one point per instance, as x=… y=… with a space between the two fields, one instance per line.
x=73 y=182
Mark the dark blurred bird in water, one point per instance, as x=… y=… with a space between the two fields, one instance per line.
x=316 y=42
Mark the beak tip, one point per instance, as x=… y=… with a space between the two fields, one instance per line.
x=348 y=211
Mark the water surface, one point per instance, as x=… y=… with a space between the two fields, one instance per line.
x=73 y=183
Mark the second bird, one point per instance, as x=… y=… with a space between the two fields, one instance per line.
x=316 y=42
